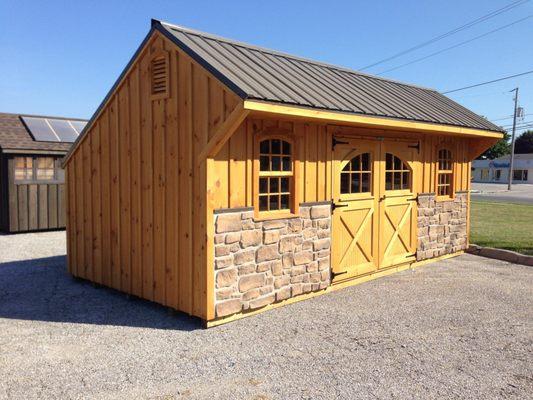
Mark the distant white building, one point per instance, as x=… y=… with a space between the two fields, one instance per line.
x=498 y=170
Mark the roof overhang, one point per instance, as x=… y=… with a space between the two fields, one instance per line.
x=364 y=120
x=30 y=151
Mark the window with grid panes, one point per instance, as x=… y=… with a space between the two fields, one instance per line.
x=45 y=168
x=23 y=168
x=397 y=173
x=444 y=173
x=275 y=175
x=357 y=175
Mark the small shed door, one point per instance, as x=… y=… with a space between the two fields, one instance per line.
x=374 y=207
x=397 y=204
x=355 y=215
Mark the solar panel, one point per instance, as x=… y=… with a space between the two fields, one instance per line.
x=40 y=130
x=53 y=129
x=78 y=125
x=63 y=129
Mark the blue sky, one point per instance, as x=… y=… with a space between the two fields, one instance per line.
x=61 y=57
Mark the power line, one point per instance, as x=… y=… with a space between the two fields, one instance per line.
x=453 y=31
x=486 y=83
x=517 y=125
x=455 y=45
x=507 y=117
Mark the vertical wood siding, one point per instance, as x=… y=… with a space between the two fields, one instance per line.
x=233 y=180
x=33 y=206
x=136 y=190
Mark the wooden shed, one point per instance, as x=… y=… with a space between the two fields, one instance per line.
x=32 y=190
x=222 y=179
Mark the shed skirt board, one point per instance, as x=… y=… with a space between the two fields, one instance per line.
x=374 y=218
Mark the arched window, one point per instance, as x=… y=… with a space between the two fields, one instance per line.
x=444 y=173
x=397 y=173
x=357 y=175
x=275 y=175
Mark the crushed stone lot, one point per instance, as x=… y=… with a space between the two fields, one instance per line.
x=456 y=329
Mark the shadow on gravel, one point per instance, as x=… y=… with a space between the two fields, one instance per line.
x=42 y=290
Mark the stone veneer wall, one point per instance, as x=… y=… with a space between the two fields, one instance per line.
x=441 y=225
x=261 y=262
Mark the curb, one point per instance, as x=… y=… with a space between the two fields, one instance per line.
x=500 y=254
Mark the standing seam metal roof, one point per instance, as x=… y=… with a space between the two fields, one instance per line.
x=262 y=74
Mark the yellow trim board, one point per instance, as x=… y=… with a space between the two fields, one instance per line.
x=362 y=120
x=332 y=288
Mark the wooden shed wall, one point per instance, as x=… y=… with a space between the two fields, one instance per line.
x=136 y=191
x=4 y=203
x=233 y=164
x=31 y=206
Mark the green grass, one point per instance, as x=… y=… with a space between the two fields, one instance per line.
x=502 y=225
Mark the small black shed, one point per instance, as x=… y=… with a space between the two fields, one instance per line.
x=32 y=186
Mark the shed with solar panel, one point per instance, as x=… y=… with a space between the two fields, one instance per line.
x=32 y=181
x=223 y=179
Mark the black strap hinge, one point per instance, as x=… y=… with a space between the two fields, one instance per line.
x=335 y=142
x=334 y=206
x=334 y=274
x=415 y=146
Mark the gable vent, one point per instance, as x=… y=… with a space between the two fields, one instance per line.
x=160 y=76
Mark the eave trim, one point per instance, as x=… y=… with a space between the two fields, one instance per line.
x=363 y=120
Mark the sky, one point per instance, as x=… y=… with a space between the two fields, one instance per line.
x=60 y=58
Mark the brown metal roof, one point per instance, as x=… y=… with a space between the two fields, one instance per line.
x=262 y=74
x=15 y=137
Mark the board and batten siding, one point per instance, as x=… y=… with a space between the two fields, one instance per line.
x=136 y=191
x=33 y=206
x=233 y=165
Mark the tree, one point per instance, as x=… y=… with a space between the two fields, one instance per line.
x=524 y=143
x=501 y=148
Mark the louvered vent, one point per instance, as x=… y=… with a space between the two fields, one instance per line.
x=160 y=76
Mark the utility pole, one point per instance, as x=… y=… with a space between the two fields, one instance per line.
x=510 y=181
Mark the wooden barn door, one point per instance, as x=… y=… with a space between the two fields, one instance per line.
x=355 y=214
x=374 y=207
x=397 y=204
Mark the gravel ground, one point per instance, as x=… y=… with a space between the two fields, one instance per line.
x=460 y=328
x=26 y=246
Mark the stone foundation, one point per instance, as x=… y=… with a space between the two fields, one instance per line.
x=261 y=262
x=441 y=225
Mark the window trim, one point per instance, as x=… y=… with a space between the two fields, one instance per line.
x=55 y=180
x=293 y=182
x=450 y=172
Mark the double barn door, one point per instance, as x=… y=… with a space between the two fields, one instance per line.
x=374 y=206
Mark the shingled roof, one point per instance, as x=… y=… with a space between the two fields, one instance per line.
x=262 y=74
x=14 y=136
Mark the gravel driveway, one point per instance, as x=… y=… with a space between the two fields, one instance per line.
x=460 y=328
